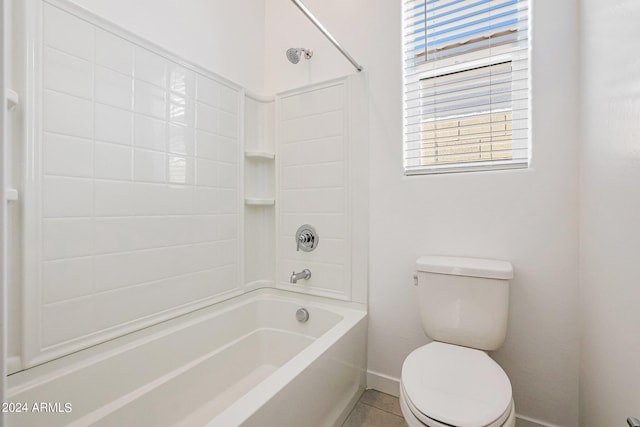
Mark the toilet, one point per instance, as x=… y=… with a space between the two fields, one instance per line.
x=452 y=381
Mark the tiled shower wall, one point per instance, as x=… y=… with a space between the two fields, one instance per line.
x=313 y=187
x=133 y=192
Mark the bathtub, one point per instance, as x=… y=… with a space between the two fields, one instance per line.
x=243 y=362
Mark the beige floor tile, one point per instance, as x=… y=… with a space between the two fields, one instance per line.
x=382 y=401
x=368 y=416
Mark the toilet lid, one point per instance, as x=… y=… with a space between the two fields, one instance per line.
x=456 y=385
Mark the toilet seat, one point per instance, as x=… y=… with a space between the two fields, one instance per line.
x=448 y=385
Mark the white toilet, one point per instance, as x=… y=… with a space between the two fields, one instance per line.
x=464 y=303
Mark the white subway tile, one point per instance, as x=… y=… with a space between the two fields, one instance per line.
x=227 y=124
x=150 y=133
x=113 y=198
x=66 y=155
x=149 y=166
x=229 y=100
x=112 y=235
x=150 y=67
x=182 y=110
x=113 y=88
x=154 y=264
x=181 y=169
x=113 y=124
x=112 y=271
x=313 y=151
x=228 y=225
x=206 y=117
x=179 y=199
x=206 y=173
x=320 y=126
x=227 y=253
x=113 y=161
x=150 y=100
x=67 y=33
x=67 y=197
x=228 y=149
x=181 y=80
x=66 y=320
x=228 y=201
x=150 y=199
x=119 y=306
x=206 y=145
x=65 y=73
x=208 y=91
x=67 y=238
x=182 y=140
x=313 y=201
x=313 y=102
x=152 y=232
x=228 y=278
x=114 y=52
x=206 y=200
x=227 y=175
x=65 y=279
x=320 y=175
x=205 y=228
x=67 y=115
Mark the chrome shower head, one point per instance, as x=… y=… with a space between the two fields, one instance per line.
x=294 y=54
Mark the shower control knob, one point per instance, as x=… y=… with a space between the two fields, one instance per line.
x=306 y=238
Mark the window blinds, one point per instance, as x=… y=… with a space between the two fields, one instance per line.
x=466 y=85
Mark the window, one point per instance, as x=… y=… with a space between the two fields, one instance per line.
x=466 y=85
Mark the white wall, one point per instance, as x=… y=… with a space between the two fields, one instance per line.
x=610 y=208
x=527 y=217
x=224 y=36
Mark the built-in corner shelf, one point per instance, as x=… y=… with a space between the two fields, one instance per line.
x=11 y=194
x=259 y=155
x=12 y=99
x=253 y=201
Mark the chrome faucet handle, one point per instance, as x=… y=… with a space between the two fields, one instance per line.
x=633 y=422
x=306 y=238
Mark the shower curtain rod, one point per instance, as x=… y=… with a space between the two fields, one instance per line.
x=324 y=31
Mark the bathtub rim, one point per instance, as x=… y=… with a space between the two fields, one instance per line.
x=26 y=379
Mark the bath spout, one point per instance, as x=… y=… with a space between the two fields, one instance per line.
x=304 y=274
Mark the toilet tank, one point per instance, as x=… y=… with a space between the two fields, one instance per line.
x=464 y=301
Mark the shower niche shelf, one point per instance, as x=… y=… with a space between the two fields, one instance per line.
x=252 y=201
x=265 y=155
x=12 y=99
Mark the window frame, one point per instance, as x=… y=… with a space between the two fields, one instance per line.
x=475 y=58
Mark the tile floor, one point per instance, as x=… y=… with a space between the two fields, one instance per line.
x=376 y=409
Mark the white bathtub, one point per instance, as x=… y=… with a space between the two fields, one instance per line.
x=245 y=361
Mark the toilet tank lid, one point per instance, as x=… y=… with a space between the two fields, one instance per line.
x=473 y=267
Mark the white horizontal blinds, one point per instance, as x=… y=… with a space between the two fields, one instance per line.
x=466 y=85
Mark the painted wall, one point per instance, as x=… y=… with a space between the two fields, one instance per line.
x=527 y=216
x=610 y=208
x=217 y=35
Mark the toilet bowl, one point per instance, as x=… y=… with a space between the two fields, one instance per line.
x=444 y=385
x=452 y=381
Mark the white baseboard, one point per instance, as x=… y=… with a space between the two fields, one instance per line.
x=383 y=383
x=523 y=421
x=391 y=385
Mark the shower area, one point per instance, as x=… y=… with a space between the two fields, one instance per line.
x=179 y=240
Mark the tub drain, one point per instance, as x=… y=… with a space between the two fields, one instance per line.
x=302 y=315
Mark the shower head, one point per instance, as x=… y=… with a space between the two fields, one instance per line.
x=293 y=54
